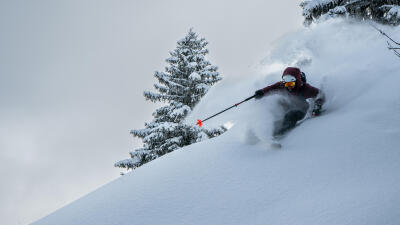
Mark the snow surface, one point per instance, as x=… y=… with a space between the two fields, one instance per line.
x=339 y=168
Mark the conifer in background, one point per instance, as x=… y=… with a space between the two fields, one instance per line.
x=187 y=78
x=382 y=11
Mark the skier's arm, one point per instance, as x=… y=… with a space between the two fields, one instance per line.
x=260 y=93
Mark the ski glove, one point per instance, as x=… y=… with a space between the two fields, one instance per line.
x=317 y=108
x=316 y=112
x=259 y=94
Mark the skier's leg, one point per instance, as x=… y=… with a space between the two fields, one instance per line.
x=294 y=116
x=288 y=122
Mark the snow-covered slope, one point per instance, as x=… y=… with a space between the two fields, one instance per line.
x=339 y=168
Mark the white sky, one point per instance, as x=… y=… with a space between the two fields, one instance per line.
x=71 y=80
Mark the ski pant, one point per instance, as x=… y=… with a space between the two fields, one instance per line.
x=289 y=121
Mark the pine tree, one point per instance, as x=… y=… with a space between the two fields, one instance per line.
x=186 y=79
x=382 y=11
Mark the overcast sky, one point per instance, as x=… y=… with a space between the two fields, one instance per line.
x=72 y=74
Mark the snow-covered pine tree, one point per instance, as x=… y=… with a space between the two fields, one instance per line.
x=382 y=11
x=186 y=79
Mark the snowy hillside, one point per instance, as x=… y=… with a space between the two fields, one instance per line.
x=339 y=168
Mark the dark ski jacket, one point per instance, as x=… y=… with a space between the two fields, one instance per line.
x=302 y=90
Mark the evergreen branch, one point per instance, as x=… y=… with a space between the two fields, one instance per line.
x=162 y=79
x=161 y=89
x=384 y=34
x=390 y=47
x=396 y=53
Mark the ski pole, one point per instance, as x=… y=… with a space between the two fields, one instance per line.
x=200 y=122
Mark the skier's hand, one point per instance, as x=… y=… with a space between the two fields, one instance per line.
x=259 y=94
x=317 y=107
x=316 y=111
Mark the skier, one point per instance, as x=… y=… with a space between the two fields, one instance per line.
x=295 y=89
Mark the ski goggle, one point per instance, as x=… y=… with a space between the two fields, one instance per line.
x=288 y=78
x=290 y=84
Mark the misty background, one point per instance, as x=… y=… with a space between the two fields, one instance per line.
x=72 y=74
